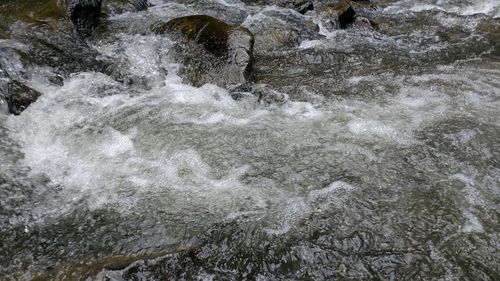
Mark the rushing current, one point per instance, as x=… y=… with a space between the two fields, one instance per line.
x=380 y=162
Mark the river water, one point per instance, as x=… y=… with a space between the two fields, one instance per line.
x=380 y=163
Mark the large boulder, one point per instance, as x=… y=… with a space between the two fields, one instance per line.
x=85 y=14
x=231 y=45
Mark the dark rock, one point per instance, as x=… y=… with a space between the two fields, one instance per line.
x=267 y=96
x=55 y=46
x=231 y=45
x=216 y=36
x=353 y=13
x=20 y=96
x=303 y=6
x=56 y=80
x=14 y=95
x=345 y=13
x=84 y=14
x=260 y=93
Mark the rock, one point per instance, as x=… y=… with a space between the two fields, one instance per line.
x=232 y=45
x=56 y=46
x=356 y=13
x=20 y=97
x=267 y=96
x=29 y=11
x=14 y=95
x=278 y=29
x=345 y=13
x=84 y=14
x=303 y=6
x=272 y=34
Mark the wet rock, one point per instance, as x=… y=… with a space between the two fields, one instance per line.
x=56 y=80
x=230 y=46
x=345 y=13
x=85 y=14
x=276 y=29
x=54 y=45
x=303 y=6
x=14 y=95
x=267 y=96
x=258 y=93
x=273 y=34
x=20 y=96
x=350 y=13
x=216 y=36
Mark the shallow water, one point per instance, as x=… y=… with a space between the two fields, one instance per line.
x=382 y=163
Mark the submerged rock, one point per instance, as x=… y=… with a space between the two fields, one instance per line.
x=84 y=14
x=231 y=45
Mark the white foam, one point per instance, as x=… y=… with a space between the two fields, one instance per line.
x=116 y=144
x=487 y=7
x=474 y=199
x=378 y=129
x=309 y=44
x=334 y=191
x=462 y=137
x=295 y=209
x=472 y=223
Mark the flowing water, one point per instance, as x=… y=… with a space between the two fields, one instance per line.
x=381 y=163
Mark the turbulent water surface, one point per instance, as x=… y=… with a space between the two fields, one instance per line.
x=381 y=162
